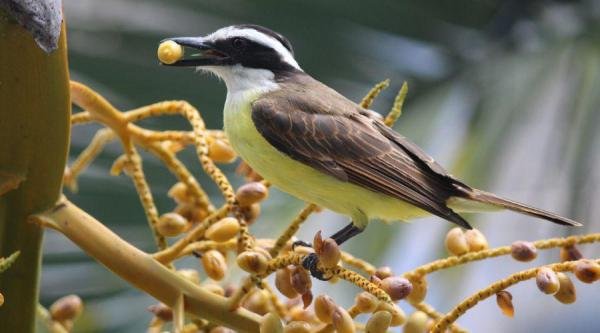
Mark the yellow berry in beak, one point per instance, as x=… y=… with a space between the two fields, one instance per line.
x=169 y=52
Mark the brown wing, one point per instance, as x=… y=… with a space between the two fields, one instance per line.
x=355 y=148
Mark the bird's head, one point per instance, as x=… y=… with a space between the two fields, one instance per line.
x=246 y=55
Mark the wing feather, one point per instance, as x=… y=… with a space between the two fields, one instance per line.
x=357 y=149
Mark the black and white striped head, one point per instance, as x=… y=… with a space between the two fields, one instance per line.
x=240 y=46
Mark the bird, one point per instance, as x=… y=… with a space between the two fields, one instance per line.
x=310 y=141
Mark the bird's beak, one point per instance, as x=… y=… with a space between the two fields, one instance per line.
x=203 y=53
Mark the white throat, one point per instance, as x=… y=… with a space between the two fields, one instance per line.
x=239 y=79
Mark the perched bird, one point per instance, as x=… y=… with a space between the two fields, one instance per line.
x=314 y=143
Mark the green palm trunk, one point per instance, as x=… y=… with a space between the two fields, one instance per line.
x=34 y=136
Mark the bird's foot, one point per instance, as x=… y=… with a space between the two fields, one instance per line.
x=300 y=243
x=310 y=263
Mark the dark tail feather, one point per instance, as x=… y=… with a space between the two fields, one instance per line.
x=489 y=198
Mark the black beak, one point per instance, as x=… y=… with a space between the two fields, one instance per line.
x=203 y=53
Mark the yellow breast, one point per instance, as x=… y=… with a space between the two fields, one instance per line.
x=301 y=180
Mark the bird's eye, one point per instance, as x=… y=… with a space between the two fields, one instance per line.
x=239 y=43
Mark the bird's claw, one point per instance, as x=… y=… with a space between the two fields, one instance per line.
x=310 y=263
x=300 y=243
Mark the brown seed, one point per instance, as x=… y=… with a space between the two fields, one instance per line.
x=324 y=308
x=1 y=299
x=179 y=192
x=379 y=322
x=66 y=308
x=258 y=302
x=398 y=316
x=587 y=271
x=570 y=253
x=283 y=282
x=317 y=244
x=214 y=264
x=307 y=298
x=169 y=52
x=297 y=327
x=330 y=253
x=416 y=323
x=171 y=224
x=342 y=322
x=397 y=287
x=252 y=262
x=223 y=230
x=523 y=251
x=419 y=290
x=547 y=281
x=221 y=152
x=271 y=323
x=161 y=311
x=504 y=301
x=251 y=193
x=191 y=275
x=456 y=242
x=250 y=213
x=476 y=240
x=191 y=212
x=366 y=302
x=298 y=313
x=301 y=281
x=566 y=293
x=383 y=272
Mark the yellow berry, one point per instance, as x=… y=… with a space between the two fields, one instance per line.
x=504 y=301
x=271 y=323
x=324 y=308
x=547 y=281
x=223 y=230
x=570 y=253
x=283 y=282
x=1 y=299
x=379 y=322
x=66 y=308
x=456 y=242
x=398 y=315
x=179 y=192
x=416 y=323
x=258 y=302
x=252 y=262
x=161 y=311
x=251 y=193
x=397 y=287
x=171 y=224
x=221 y=152
x=301 y=281
x=476 y=240
x=383 y=272
x=523 y=251
x=566 y=292
x=342 y=322
x=366 y=302
x=329 y=254
x=169 y=52
x=587 y=271
x=214 y=264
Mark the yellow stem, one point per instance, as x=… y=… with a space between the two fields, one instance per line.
x=493 y=289
x=142 y=271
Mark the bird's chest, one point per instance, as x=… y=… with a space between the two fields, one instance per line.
x=245 y=138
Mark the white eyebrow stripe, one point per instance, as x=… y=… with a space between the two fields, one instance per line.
x=256 y=36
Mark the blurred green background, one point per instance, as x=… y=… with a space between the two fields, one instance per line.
x=505 y=94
